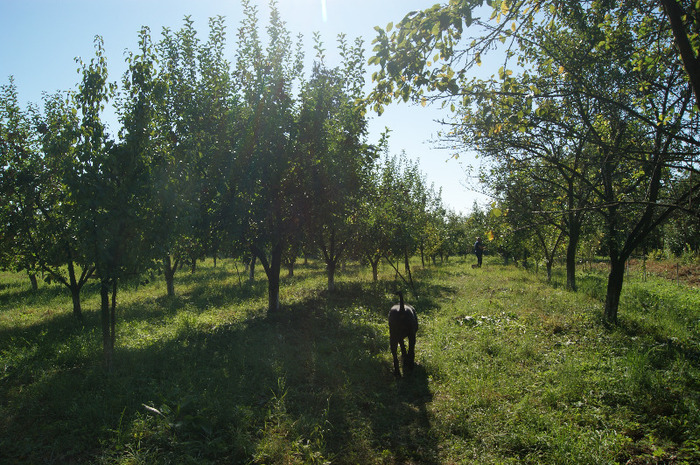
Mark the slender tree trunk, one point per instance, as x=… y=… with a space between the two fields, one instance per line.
x=691 y=63
x=331 y=256
x=251 y=269
x=407 y=265
x=77 y=308
x=571 y=260
x=169 y=270
x=113 y=315
x=273 y=294
x=107 y=339
x=375 y=268
x=574 y=234
x=74 y=287
x=614 y=290
x=272 y=270
x=289 y=261
x=33 y=281
x=330 y=270
x=273 y=278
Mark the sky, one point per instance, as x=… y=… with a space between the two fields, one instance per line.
x=41 y=39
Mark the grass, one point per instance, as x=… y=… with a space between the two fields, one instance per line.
x=510 y=370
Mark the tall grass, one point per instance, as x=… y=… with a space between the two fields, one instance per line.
x=510 y=370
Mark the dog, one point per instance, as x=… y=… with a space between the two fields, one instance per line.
x=403 y=323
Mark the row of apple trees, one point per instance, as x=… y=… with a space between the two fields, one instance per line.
x=588 y=122
x=215 y=155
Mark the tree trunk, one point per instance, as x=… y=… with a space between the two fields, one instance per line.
x=77 y=308
x=107 y=339
x=571 y=264
x=330 y=270
x=375 y=268
x=272 y=270
x=571 y=248
x=251 y=269
x=676 y=13
x=169 y=272
x=33 y=280
x=74 y=287
x=113 y=315
x=612 y=297
x=407 y=265
x=273 y=280
x=331 y=255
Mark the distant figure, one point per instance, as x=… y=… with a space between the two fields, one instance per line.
x=478 y=251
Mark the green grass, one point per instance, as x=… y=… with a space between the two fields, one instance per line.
x=510 y=370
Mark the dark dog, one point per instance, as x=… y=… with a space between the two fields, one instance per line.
x=403 y=323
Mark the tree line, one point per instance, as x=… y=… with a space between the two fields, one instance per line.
x=589 y=130
x=245 y=157
x=589 y=127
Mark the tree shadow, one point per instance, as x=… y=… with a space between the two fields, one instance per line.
x=314 y=376
x=26 y=296
x=381 y=295
x=207 y=294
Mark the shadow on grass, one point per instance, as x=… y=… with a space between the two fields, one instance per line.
x=380 y=296
x=313 y=380
x=26 y=296
x=593 y=285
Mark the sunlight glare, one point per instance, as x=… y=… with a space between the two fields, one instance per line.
x=324 y=11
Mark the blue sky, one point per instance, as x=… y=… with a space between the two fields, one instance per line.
x=41 y=38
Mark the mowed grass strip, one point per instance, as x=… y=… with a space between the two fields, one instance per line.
x=510 y=370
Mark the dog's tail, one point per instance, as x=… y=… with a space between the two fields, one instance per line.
x=401 y=306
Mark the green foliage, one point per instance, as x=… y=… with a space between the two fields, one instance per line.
x=406 y=51
x=590 y=113
x=333 y=159
x=38 y=168
x=21 y=173
x=509 y=369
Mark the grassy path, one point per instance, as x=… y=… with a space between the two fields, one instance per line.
x=510 y=370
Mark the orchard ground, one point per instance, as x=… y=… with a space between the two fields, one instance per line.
x=511 y=369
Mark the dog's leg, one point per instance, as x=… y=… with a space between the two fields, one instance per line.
x=404 y=356
x=394 y=350
x=411 y=351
